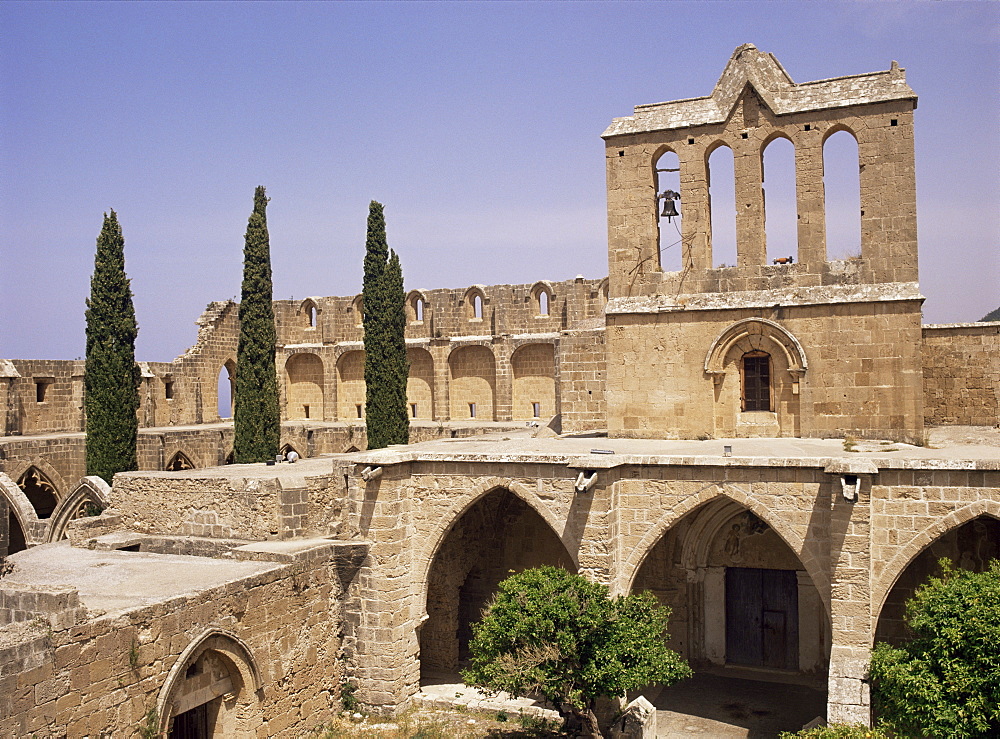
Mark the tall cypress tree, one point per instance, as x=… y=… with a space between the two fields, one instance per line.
x=256 y=422
x=386 y=365
x=111 y=379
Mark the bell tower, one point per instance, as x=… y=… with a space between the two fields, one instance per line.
x=856 y=321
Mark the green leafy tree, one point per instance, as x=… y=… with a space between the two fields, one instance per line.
x=386 y=365
x=256 y=420
x=111 y=379
x=993 y=315
x=945 y=681
x=550 y=632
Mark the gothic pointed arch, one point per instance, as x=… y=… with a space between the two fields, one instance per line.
x=40 y=491
x=482 y=545
x=187 y=686
x=21 y=514
x=179 y=461
x=922 y=540
x=90 y=496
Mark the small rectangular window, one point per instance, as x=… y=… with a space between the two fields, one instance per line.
x=41 y=388
x=168 y=389
x=536 y=409
x=893 y=122
x=413 y=409
x=472 y=410
x=305 y=410
x=358 y=409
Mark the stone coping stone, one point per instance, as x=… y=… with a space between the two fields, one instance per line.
x=299 y=550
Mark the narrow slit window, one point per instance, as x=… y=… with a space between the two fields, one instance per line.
x=472 y=410
x=305 y=411
x=358 y=409
x=41 y=387
x=168 y=389
x=477 y=307
x=413 y=410
x=536 y=410
x=543 y=303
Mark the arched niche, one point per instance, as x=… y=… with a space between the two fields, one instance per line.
x=215 y=682
x=304 y=381
x=351 y=385
x=533 y=367
x=420 y=383
x=473 y=382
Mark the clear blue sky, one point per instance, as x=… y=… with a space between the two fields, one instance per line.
x=477 y=124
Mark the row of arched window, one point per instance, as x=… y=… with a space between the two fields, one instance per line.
x=842 y=201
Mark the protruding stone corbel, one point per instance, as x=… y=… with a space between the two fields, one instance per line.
x=370 y=473
x=585 y=480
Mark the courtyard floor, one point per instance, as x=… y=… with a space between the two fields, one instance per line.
x=707 y=705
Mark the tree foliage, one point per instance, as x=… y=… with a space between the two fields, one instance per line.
x=945 y=681
x=111 y=378
x=993 y=315
x=256 y=419
x=386 y=365
x=550 y=632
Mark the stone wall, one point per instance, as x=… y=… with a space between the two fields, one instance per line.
x=961 y=364
x=273 y=635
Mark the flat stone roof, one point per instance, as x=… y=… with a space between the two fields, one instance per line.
x=116 y=581
x=948 y=448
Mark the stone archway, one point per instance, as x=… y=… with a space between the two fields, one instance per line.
x=971 y=545
x=212 y=689
x=498 y=535
x=39 y=490
x=739 y=594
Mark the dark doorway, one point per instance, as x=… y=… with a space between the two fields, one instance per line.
x=762 y=618
x=15 y=535
x=191 y=724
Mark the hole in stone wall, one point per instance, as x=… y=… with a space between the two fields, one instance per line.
x=472 y=410
x=536 y=409
x=893 y=122
x=413 y=410
x=358 y=409
x=168 y=389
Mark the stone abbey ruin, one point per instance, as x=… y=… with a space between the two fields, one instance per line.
x=748 y=442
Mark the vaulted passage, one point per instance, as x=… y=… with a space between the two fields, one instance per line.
x=496 y=537
x=740 y=596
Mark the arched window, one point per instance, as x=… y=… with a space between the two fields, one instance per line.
x=756 y=381
x=842 y=186
x=474 y=301
x=722 y=205
x=226 y=390
x=543 y=303
x=358 y=308
x=39 y=491
x=310 y=313
x=780 y=209
x=667 y=179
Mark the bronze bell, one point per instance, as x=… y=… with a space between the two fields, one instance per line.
x=669 y=209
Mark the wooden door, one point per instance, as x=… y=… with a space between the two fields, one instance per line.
x=762 y=617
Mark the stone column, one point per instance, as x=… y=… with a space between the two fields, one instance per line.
x=848 y=698
x=696 y=225
x=750 y=239
x=810 y=198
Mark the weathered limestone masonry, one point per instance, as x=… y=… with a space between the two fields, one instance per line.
x=840 y=530
x=500 y=353
x=837 y=341
x=243 y=647
x=961 y=364
x=234 y=599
